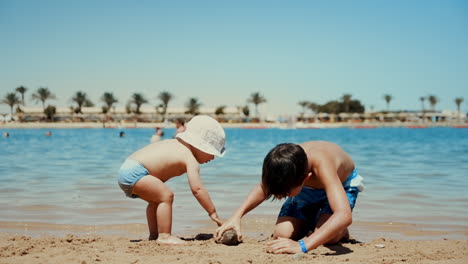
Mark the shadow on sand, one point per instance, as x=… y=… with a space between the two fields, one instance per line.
x=340 y=248
x=199 y=237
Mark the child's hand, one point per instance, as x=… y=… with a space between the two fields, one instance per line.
x=232 y=223
x=283 y=245
x=214 y=216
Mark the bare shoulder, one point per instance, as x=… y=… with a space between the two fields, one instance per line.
x=169 y=149
x=321 y=148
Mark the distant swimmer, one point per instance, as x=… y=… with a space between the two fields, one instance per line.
x=122 y=134
x=158 y=135
x=6 y=134
x=180 y=126
x=48 y=133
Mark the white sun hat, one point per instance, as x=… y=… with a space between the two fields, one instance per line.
x=206 y=134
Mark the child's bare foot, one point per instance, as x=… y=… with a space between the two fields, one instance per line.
x=153 y=237
x=168 y=239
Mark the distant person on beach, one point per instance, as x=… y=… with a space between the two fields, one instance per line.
x=122 y=134
x=158 y=135
x=144 y=173
x=321 y=184
x=180 y=126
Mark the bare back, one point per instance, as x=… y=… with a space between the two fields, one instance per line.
x=322 y=154
x=164 y=159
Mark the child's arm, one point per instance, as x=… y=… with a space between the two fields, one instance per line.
x=255 y=197
x=338 y=221
x=199 y=191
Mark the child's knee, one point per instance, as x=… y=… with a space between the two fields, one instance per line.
x=167 y=197
x=285 y=231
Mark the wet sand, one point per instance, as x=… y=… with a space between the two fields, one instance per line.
x=370 y=243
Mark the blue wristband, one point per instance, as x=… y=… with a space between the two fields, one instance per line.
x=303 y=247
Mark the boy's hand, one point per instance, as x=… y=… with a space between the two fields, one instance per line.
x=232 y=223
x=283 y=245
x=214 y=216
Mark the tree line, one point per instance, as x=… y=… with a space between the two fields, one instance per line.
x=345 y=104
x=133 y=105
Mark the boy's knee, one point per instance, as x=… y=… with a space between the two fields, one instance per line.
x=283 y=231
x=167 y=197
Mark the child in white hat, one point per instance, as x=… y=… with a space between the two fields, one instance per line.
x=144 y=173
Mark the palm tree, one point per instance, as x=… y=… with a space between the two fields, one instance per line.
x=433 y=100
x=303 y=104
x=256 y=99
x=313 y=107
x=220 y=110
x=388 y=98
x=109 y=100
x=11 y=99
x=43 y=94
x=81 y=99
x=50 y=111
x=246 y=110
x=165 y=97
x=422 y=99
x=458 y=101
x=138 y=99
x=21 y=90
x=193 y=105
x=346 y=101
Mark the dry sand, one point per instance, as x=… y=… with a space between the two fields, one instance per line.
x=48 y=243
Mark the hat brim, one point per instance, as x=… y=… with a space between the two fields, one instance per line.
x=199 y=143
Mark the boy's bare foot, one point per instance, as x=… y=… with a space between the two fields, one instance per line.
x=153 y=237
x=168 y=239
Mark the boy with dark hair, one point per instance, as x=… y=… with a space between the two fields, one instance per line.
x=321 y=183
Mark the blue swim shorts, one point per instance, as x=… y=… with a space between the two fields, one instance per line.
x=130 y=172
x=310 y=203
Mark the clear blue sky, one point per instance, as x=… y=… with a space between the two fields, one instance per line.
x=222 y=52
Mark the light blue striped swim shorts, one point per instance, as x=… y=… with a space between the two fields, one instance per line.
x=130 y=172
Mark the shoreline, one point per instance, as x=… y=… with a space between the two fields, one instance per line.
x=107 y=244
x=254 y=226
x=362 y=125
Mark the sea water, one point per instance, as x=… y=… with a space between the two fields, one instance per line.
x=411 y=175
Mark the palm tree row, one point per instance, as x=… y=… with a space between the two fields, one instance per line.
x=43 y=94
x=347 y=105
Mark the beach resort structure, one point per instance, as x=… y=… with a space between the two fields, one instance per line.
x=236 y=116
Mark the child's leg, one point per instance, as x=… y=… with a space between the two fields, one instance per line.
x=152 y=220
x=289 y=227
x=338 y=237
x=153 y=190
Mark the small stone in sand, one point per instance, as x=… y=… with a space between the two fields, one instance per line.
x=229 y=238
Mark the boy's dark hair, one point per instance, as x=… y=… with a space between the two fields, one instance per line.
x=284 y=168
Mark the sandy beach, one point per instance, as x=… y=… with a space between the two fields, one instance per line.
x=49 y=243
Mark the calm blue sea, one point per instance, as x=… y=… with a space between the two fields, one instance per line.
x=411 y=175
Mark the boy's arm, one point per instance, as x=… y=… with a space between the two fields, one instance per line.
x=199 y=191
x=255 y=197
x=341 y=217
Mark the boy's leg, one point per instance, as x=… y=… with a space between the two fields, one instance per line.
x=338 y=237
x=289 y=227
x=153 y=190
